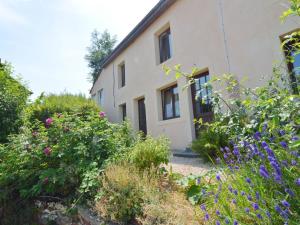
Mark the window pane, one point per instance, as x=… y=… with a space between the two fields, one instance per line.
x=168 y=104
x=123 y=75
x=164 y=46
x=124 y=113
x=170 y=98
x=176 y=99
x=296 y=64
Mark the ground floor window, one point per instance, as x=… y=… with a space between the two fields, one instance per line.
x=170 y=102
x=292 y=53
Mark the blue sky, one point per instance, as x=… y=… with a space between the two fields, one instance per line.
x=46 y=40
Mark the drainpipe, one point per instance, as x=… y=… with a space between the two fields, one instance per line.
x=114 y=82
x=221 y=8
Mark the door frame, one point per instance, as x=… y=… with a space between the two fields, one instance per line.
x=145 y=131
x=193 y=95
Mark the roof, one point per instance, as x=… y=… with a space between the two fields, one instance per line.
x=155 y=12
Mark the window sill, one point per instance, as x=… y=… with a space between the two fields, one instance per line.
x=170 y=121
x=166 y=61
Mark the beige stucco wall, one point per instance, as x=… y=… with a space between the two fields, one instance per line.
x=251 y=30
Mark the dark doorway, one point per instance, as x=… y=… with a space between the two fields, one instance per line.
x=142 y=116
x=201 y=96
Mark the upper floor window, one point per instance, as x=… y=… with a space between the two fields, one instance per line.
x=165 y=45
x=170 y=103
x=101 y=97
x=291 y=49
x=122 y=74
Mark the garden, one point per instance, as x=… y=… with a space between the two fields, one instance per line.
x=61 y=149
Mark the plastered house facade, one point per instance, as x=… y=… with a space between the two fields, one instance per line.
x=241 y=37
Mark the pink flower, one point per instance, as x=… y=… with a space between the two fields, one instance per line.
x=49 y=121
x=47 y=151
x=102 y=114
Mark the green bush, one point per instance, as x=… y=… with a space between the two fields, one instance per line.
x=150 y=153
x=61 y=158
x=46 y=106
x=13 y=98
x=209 y=142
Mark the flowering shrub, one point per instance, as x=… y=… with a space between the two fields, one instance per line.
x=61 y=157
x=259 y=187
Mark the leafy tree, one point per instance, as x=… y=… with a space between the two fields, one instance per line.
x=13 y=99
x=102 y=45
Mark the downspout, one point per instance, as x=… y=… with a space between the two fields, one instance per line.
x=114 y=82
x=221 y=8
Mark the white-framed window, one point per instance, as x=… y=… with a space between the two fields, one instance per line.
x=101 y=97
x=165 y=49
x=122 y=74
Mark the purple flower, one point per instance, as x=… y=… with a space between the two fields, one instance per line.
x=203 y=207
x=218 y=160
x=281 y=132
x=294 y=153
x=206 y=218
x=248 y=180
x=102 y=114
x=257 y=136
x=218 y=177
x=297 y=182
x=242 y=193
x=235 y=222
x=289 y=191
x=47 y=151
x=285 y=214
x=295 y=138
x=263 y=172
x=247 y=210
x=255 y=206
x=278 y=208
x=227 y=149
x=283 y=144
x=235 y=192
x=285 y=163
x=259 y=216
x=268 y=214
x=249 y=197
x=218 y=222
x=257 y=195
x=236 y=151
x=227 y=221
x=285 y=203
x=230 y=188
x=234 y=201
x=218 y=213
x=49 y=121
x=294 y=162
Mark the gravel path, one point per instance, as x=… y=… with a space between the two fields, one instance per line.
x=187 y=166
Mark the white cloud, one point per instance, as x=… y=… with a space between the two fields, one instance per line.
x=9 y=16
